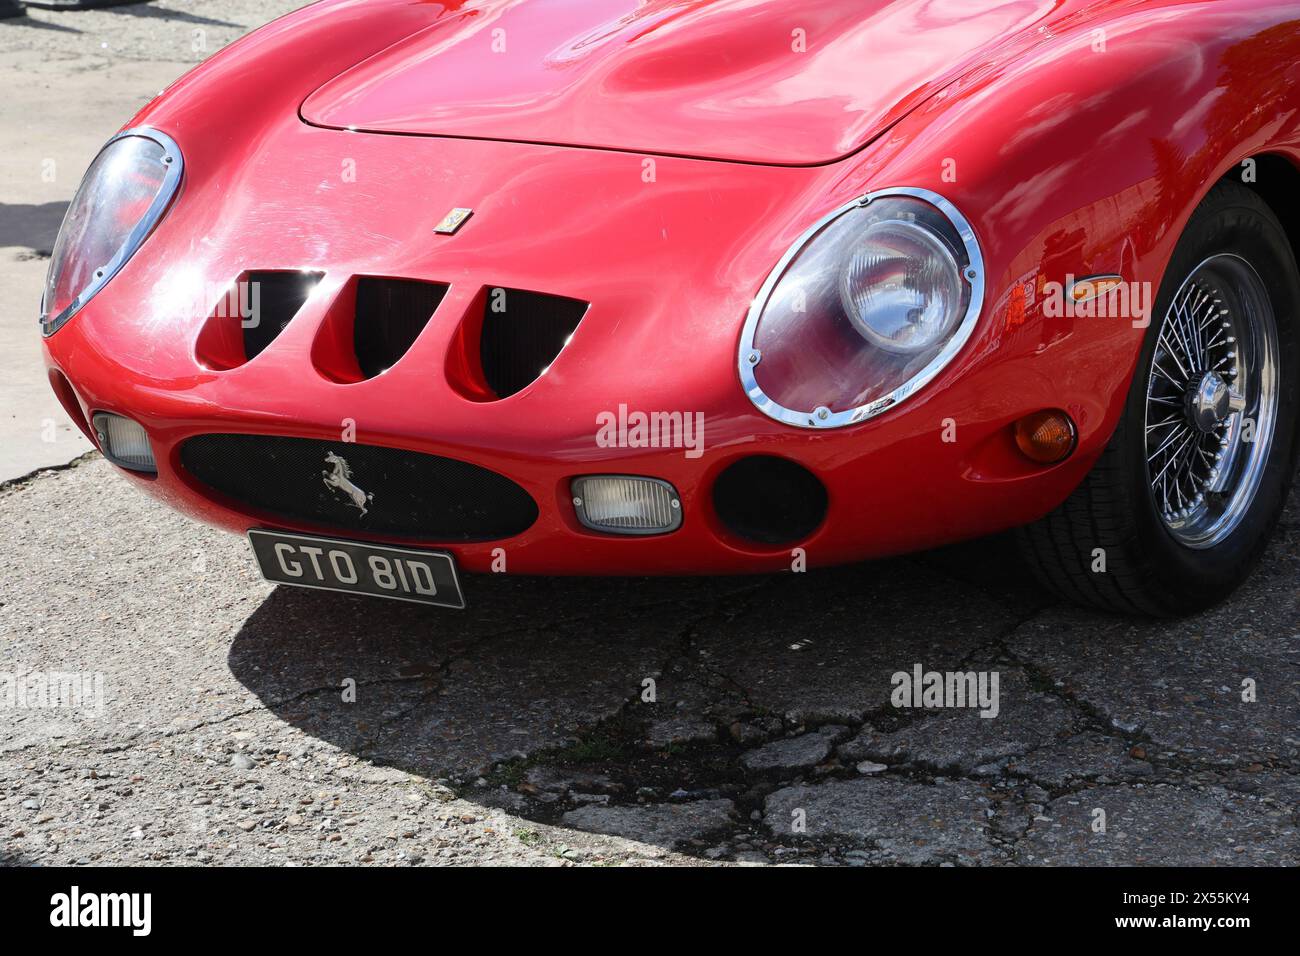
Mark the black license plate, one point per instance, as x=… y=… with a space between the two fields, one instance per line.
x=426 y=577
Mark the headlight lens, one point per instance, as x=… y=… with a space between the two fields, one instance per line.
x=902 y=289
x=865 y=308
x=124 y=194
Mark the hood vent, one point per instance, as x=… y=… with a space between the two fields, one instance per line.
x=522 y=334
x=274 y=299
x=390 y=315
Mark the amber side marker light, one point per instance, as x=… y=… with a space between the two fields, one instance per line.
x=1045 y=437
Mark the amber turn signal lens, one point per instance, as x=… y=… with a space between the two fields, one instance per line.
x=1045 y=437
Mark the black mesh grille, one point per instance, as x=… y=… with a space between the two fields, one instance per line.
x=406 y=494
x=277 y=297
x=391 y=313
x=522 y=334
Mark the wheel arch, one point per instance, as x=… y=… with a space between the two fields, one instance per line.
x=1275 y=178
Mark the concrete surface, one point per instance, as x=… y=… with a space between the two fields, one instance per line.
x=523 y=730
x=71 y=80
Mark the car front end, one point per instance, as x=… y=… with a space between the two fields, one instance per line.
x=552 y=359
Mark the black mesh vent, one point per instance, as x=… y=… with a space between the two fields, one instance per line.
x=391 y=313
x=277 y=297
x=404 y=493
x=522 y=334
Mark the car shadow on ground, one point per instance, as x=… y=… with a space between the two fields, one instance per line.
x=136 y=8
x=703 y=714
x=617 y=705
x=707 y=714
x=31 y=225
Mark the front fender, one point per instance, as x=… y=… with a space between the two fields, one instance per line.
x=1085 y=153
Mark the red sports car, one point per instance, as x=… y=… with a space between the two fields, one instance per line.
x=706 y=286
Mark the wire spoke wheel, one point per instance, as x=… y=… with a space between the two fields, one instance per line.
x=1211 y=401
x=1184 y=498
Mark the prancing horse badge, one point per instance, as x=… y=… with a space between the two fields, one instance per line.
x=340 y=477
x=453 y=220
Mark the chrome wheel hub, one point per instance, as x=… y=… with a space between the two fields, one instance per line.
x=1211 y=401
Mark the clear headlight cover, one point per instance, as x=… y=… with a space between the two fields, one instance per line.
x=124 y=194
x=866 y=307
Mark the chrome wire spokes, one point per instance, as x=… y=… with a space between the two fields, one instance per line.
x=1211 y=400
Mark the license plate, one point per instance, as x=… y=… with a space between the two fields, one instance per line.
x=426 y=577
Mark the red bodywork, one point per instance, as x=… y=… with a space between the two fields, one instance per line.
x=1067 y=160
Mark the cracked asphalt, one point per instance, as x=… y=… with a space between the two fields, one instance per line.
x=621 y=721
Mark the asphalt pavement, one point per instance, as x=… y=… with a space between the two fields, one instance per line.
x=620 y=720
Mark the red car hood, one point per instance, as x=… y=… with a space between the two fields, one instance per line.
x=764 y=81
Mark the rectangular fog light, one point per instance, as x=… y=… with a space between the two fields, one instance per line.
x=623 y=504
x=123 y=442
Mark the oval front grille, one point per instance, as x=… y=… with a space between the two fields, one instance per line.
x=361 y=488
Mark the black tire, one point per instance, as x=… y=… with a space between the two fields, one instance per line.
x=1147 y=570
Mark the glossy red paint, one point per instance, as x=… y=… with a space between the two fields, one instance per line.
x=718 y=79
x=1066 y=160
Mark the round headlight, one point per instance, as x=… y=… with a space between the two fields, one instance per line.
x=865 y=308
x=902 y=288
x=123 y=196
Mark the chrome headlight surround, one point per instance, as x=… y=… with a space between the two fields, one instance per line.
x=173 y=168
x=821 y=417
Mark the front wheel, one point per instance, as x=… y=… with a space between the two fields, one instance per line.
x=1181 y=504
